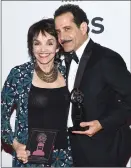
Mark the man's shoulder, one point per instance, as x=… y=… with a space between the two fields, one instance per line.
x=105 y=52
x=108 y=56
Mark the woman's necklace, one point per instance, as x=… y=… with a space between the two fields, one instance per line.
x=48 y=77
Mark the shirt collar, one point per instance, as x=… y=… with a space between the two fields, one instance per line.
x=80 y=50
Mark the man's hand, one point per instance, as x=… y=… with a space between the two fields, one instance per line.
x=94 y=127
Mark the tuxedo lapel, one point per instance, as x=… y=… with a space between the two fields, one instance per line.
x=83 y=62
x=81 y=68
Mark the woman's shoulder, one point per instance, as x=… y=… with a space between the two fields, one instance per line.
x=24 y=66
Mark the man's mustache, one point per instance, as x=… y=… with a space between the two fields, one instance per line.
x=65 y=41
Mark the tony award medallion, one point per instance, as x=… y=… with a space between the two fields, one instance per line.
x=77 y=98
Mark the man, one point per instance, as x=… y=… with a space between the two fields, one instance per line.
x=106 y=84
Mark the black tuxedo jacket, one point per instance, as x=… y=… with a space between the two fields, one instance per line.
x=106 y=84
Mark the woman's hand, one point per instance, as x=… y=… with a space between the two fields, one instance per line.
x=21 y=153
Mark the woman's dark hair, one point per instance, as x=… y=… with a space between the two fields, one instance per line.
x=44 y=25
x=77 y=12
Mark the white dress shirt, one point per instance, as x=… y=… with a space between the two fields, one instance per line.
x=72 y=75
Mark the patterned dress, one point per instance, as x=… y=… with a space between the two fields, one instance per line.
x=15 y=93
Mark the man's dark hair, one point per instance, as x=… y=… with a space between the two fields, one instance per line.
x=44 y=25
x=77 y=12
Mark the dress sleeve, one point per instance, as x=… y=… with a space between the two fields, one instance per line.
x=8 y=97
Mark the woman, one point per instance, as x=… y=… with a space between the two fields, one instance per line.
x=38 y=91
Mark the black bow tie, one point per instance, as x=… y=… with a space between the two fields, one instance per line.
x=71 y=56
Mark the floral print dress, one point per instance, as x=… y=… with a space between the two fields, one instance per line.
x=15 y=93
